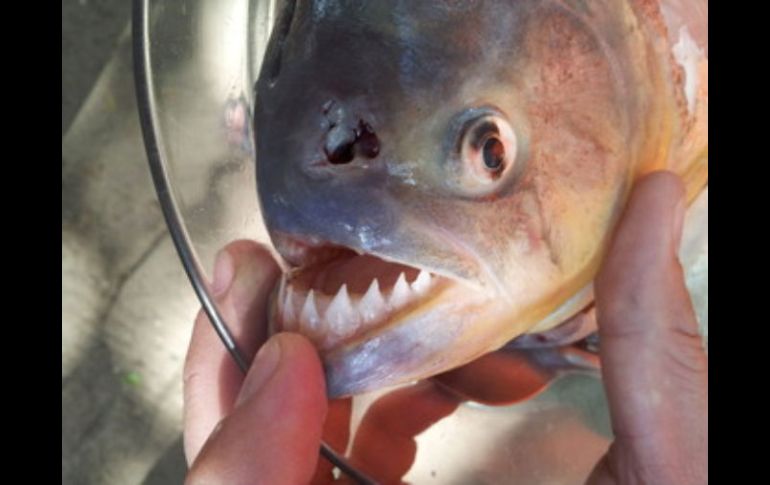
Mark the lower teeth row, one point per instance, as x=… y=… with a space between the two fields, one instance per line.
x=343 y=316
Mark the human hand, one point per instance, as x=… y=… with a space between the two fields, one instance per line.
x=267 y=427
x=264 y=427
x=654 y=366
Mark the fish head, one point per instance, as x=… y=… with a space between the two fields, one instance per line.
x=442 y=176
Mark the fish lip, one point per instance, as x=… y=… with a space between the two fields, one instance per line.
x=300 y=251
x=310 y=259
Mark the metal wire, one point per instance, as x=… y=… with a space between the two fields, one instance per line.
x=156 y=157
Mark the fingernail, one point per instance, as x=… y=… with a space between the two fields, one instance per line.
x=264 y=366
x=224 y=269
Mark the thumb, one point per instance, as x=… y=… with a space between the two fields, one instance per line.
x=273 y=434
x=654 y=366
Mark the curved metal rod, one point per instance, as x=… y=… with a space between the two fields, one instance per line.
x=156 y=156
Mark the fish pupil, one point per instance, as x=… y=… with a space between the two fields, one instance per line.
x=494 y=153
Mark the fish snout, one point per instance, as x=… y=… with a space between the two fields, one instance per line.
x=348 y=136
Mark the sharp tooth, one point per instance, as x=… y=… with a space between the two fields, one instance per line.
x=401 y=292
x=372 y=305
x=422 y=283
x=340 y=315
x=309 y=319
x=289 y=317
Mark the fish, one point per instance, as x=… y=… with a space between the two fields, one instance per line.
x=440 y=178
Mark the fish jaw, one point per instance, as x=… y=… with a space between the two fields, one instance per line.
x=379 y=322
x=395 y=329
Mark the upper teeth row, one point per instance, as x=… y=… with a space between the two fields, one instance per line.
x=344 y=315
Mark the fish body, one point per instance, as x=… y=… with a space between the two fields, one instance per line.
x=442 y=177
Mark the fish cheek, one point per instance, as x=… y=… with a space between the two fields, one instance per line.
x=580 y=159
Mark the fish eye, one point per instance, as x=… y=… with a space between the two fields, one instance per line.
x=493 y=154
x=487 y=150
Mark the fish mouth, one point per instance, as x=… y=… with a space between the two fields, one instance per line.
x=339 y=296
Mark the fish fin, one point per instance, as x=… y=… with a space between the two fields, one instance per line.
x=500 y=378
x=510 y=375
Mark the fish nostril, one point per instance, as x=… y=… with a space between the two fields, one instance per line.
x=343 y=144
x=340 y=145
x=366 y=138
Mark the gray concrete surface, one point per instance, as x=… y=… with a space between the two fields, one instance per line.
x=126 y=304
x=90 y=30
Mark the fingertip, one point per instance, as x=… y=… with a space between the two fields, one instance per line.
x=224 y=271
x=307 y=371
x=296 y=359
x=665 y=192
x=275 y=431
x=661 y=182
x=297 y=344
x=249 y=265
x=247 y=248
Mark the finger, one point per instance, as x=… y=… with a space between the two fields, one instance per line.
x=384 y=445
x=244 y=275
x=336 y=433
x=654 y=366
x=273 y=434
x=499 y=378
